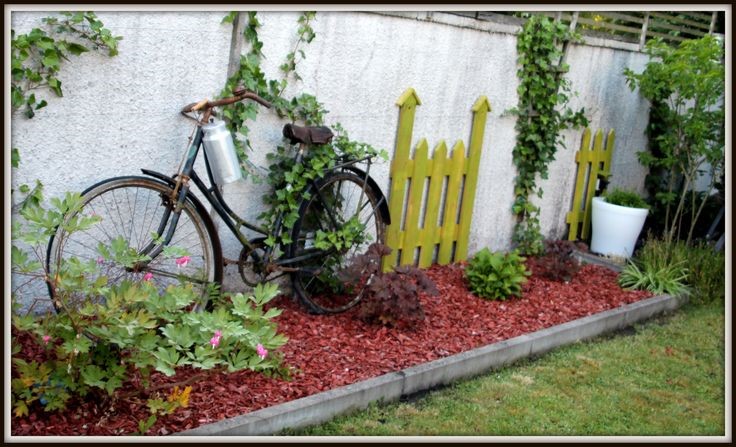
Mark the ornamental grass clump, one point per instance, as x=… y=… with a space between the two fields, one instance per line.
x=698 y=269
x=496 y=275
x=656 y=269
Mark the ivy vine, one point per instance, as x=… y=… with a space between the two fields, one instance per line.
x=543 y=113
x=35 y=62
x=36 y=56
x=286 y=178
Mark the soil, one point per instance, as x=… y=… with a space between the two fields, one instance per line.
x=336 y=350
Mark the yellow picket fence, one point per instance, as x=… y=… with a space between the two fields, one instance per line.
x=421 y=186
x=594 y=163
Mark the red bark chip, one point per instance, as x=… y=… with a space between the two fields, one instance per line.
x=332 y=351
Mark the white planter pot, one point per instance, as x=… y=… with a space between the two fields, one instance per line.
x=615 y=228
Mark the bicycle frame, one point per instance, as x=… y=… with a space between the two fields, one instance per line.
x=182 y=189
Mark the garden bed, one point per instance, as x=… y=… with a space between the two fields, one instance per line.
x=332 y=351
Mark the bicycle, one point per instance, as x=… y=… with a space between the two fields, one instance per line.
x=142 y=215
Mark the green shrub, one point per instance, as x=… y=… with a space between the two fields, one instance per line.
x=95 y=346
x=707 y=274
x=622 y=197
x=706 y=268
x=668 y=279
x=663 y=267
x=496 y=275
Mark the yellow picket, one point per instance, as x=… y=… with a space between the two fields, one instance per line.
x=581 y=158
x=407 y=103
x=452 y=199
x=404 y=234
x=431 y=230
x=414 y=205
x=480 y=111
x=595 y=163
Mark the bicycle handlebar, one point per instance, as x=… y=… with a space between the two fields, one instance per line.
x=239 y=95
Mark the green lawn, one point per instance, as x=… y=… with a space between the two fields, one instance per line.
x=663 y=377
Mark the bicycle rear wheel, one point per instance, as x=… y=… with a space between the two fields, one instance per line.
x=133 y=210
x=338 y=201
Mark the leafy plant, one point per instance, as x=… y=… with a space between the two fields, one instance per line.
x=35 y=62
x=94 y=346
x=558 y=262
x=654 y=268
x=286 y=178
x=496 y=275
x=542 y=114
x=623 y=197
x=704 y=268
x=36 y=57
x=391 y=298
x=686 y=87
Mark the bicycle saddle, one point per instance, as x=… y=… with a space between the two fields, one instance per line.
x=308 y=134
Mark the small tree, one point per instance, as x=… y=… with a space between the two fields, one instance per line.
x=687 y=83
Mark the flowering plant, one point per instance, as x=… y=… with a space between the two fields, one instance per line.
x=93 y=349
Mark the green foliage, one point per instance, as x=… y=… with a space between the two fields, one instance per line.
x=36 y=57
x=687 y=138
x=287 y=179
x=704 y=268
x=160 y=407
x=656 y=269
x=622 y=197
x=542 y=114
x=95 y=345
x=35 y=60
x=496 y=275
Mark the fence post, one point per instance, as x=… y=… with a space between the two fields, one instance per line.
x=644 y=26
x=407 y=103
x=449 y=217
x=414 y=204
x=480 y=112
x=431 y=230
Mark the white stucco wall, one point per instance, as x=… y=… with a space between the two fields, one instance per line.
x=121 y=114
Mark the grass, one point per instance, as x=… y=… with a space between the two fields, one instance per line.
x=663 y=377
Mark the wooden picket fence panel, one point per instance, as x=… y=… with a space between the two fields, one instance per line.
x=408 y=202
x=594 y=162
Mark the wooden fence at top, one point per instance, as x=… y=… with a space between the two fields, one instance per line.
x=594 y=163
x=432 y=221
x=628 y=26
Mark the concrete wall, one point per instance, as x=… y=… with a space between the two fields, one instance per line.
x=121 y=114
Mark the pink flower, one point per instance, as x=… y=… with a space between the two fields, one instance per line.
x=215 y=341
x=261 y=351
x=100 y=260
x=183 y=261
x=46 y=339
x=148 y=276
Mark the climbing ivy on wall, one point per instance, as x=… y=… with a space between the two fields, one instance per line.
x=543 y=113
x=35 y=61
x=286 y=178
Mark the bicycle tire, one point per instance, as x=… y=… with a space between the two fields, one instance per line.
x=315 y=283
x=132 y=208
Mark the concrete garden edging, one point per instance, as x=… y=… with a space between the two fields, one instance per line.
x=324 y=406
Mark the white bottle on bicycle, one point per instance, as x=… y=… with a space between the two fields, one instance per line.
x=220 y=151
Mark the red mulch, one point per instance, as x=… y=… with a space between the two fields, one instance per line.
x=336 y=350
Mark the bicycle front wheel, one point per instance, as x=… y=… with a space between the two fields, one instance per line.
x=135 y=212
x=345 y=206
